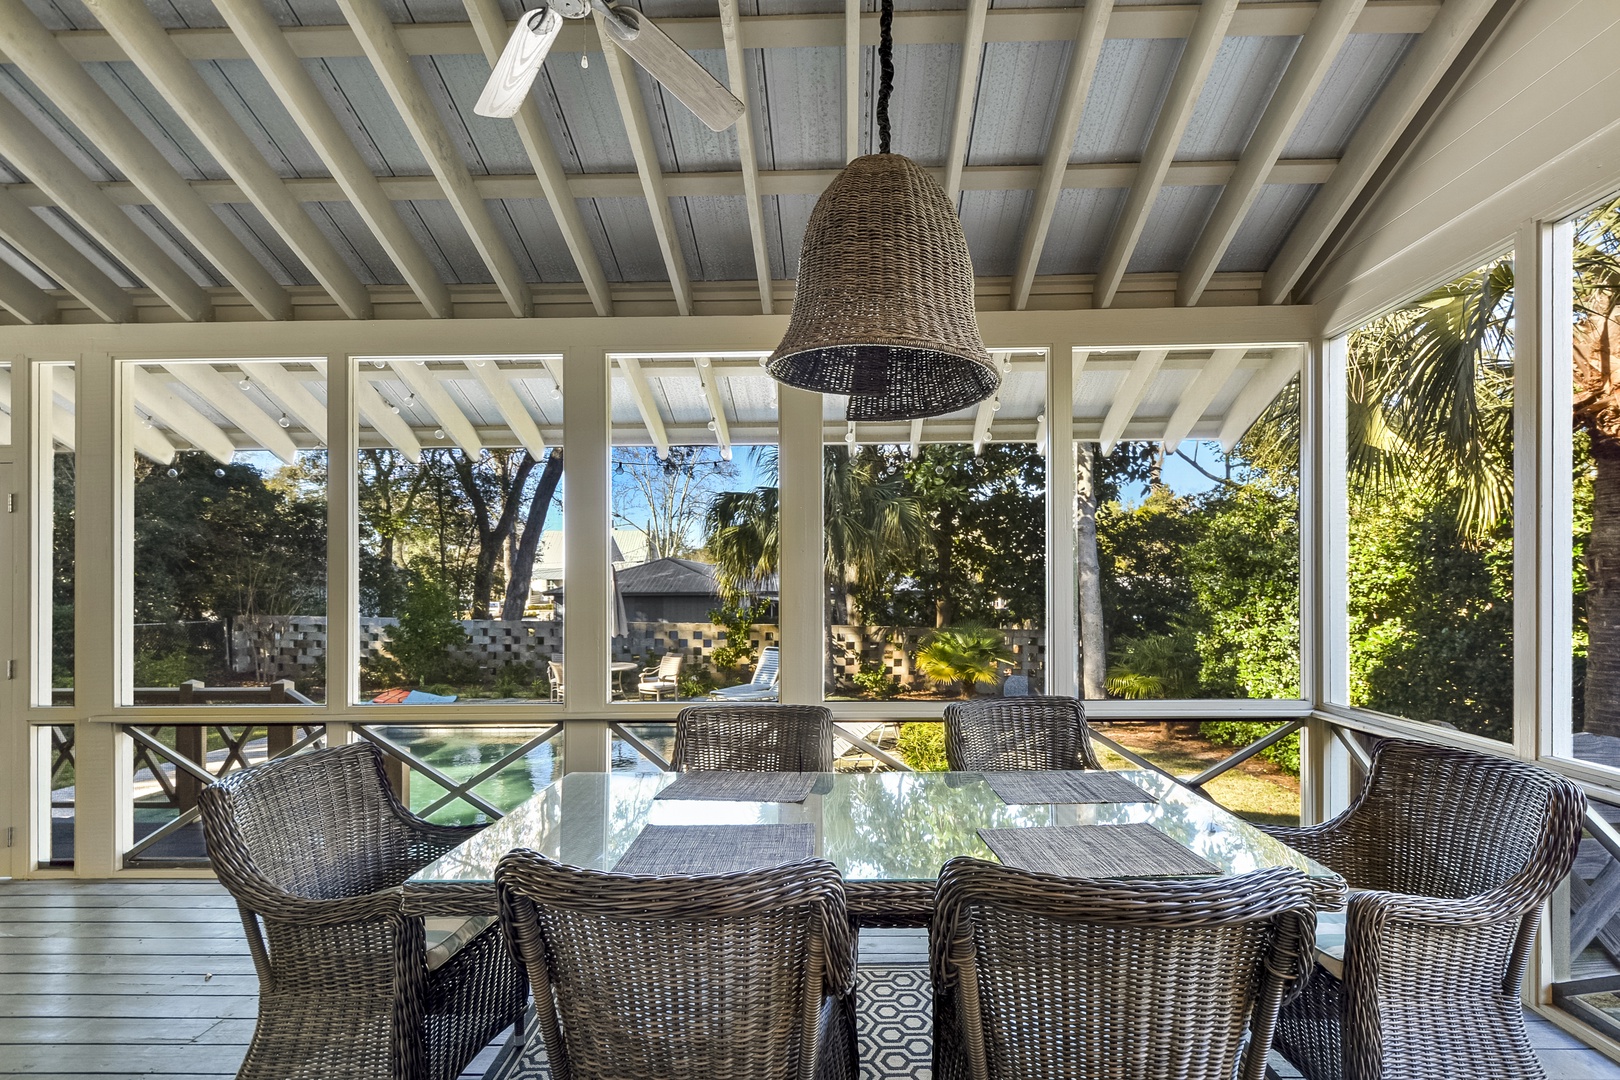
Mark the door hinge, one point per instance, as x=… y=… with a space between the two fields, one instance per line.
x=11 y=502
x=11 y=835
x=11 y=669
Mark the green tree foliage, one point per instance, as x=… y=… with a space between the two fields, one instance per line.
x=1431 y=613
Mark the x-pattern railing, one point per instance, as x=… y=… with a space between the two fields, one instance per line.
x=1225 y=765
x=151 y=752
x=458 y=790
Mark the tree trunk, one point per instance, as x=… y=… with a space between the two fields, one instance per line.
x=491 y=535
x=521 y=578
x=1603 y=591
x=944 y=606
x=1088 y=573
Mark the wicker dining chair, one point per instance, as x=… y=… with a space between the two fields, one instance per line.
x=1018 y=733
x=316 y=848
x=1043 y=976
x=749 y=974
x=1449 y=856
x=757 y=738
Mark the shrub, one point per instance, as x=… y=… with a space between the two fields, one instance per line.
x=922 y=746
x=965 y=655
x=874 y=681
x=736 y=619
x=696 y=684
x=428 y=629
x=514 y=678
x=1239 y=733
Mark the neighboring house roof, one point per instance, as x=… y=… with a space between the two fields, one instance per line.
x=668 y=577
x=671 y=577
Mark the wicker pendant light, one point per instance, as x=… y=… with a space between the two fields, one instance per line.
x=884 y=305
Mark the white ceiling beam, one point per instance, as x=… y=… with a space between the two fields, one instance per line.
x=1426 y=63
x=58 y=181
x=27 y=301
x=82 y=100
x=915 y=446
x=492 y=32
x=50 y=251
x=154 y=397
x=1262 y=387
x=981 y=424
x=634 y=114
x=182 y=86
x=1209 y=381
x=717 y=405
x=222 y=393
x=738 y=74
x=1040 y=433
x=1088 y=40
x=392 y=64
x=432 y=395
x=967 y=95
x=853 y=51
x=641 y=394
x=1128 y=398
x=271 y=52
x=771 y=182
x=1197 y=57
x=386 y=421
x=939 y=27
x=497 y=383
x=1306 y=70
x=289 y=392
x=63 y=428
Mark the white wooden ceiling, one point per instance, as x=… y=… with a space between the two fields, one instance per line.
x=187 y=159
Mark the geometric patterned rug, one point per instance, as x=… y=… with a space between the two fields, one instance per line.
x=895 y=1021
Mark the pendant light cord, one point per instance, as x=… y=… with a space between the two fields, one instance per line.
x=886 y=70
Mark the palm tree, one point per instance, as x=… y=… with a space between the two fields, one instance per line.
x=871 y=523
x=1431 y=404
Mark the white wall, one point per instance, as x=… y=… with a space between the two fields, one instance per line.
x=1533 y=131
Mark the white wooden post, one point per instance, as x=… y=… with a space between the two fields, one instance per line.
x=1062 y=597
x=1544 y=269
x=1324 y=572
x=342 y=539
x=587 y=562
x=103 y=599
x=803 y=581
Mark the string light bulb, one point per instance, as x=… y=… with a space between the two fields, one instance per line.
x=283 y=421
x=245 y=382
x=438 y=433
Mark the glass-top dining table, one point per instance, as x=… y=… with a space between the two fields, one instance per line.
x=887 y=832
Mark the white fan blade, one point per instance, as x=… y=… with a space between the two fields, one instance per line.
x=520 y=62
x=672 y=66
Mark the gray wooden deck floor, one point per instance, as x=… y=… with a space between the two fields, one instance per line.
x=109 y=980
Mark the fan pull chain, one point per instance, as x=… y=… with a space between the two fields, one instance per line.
x=886 y=68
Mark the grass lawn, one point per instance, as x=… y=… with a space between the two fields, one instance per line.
x=1255 y=790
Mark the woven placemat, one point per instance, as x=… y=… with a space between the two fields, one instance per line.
x=716 y=849
x=1066 y=786
x=1096 y=851
x=729 y=786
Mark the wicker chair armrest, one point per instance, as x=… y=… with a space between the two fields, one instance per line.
x=1376 y=911
x=450 y=899
x=1314 y=841
x=274 y=904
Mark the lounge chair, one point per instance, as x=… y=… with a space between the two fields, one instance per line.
x=664 y=679
x=762 y=687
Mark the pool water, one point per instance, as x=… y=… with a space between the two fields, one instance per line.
x=463 y=752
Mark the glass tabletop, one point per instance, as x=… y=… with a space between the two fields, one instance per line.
x=875 y=827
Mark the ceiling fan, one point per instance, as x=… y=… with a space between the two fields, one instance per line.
x=627 y=28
